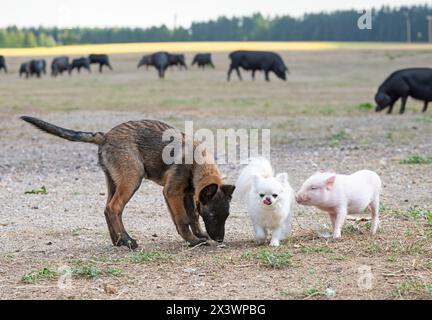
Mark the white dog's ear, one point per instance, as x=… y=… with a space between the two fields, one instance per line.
x=282 y=177
x=256 y=179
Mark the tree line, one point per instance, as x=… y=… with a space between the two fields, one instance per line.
x=388 y=24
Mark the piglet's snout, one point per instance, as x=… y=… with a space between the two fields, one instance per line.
x=299 y=198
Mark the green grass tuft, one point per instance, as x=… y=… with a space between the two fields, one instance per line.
x=35 y=276
x=89 y=270
x=273 y=259
x=41 y=190
x=411 y=287
x=417 y=159
x=366 y=106
x=317 y=249
x=424 y=119
x=338 y=137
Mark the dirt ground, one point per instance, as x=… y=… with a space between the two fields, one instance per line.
x=318 y=120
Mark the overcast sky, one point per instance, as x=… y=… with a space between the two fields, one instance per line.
x=144 y=13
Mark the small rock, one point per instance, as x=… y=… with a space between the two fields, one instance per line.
x=330 y=292
x=324 y=231
x=154 y=235
x=109 y=288
x=189 y=270
x=48 y=243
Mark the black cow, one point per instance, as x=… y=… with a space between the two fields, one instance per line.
x=177 y=60
x=101 y=59
x=159 y=60
x=413 y=82
x=25 y=69
x=145 y=61
x=59 y=65
x=37 y=67
x=33 y=67
x=79 y=63
x=257 y=60
x=3 y=64
x=203 y=60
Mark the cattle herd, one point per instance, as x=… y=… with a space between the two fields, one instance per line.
x=161 y=61
x=401 y=84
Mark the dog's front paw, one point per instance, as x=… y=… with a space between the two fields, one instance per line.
x=203 y=235
x=127 y=242
x=197 y=241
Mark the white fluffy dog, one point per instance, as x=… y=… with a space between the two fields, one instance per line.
x=269 y=199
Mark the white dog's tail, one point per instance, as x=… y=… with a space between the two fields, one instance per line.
x=257 y=166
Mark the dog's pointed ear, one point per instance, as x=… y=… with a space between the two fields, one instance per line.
x=282 y=177
x=208 y=192
x=256 y=180
x=228 y=189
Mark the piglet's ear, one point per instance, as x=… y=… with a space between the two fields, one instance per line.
x=208 y=192
x=330 y=182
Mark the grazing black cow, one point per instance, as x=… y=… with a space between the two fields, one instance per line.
x=101 y=59
x=412 y=82
x=177 y=60
x=257 y=60
x=203 y=60
x=33 y=67
x=145 y=61
x=37 y=67
x=25 y=69
x=79 y=63
x=159 y=60
x=59 y=65
x=3 y=64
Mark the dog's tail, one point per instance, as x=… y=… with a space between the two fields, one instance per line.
x=90 y=137
x=256 y=167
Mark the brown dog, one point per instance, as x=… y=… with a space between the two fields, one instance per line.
x=132 y=151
